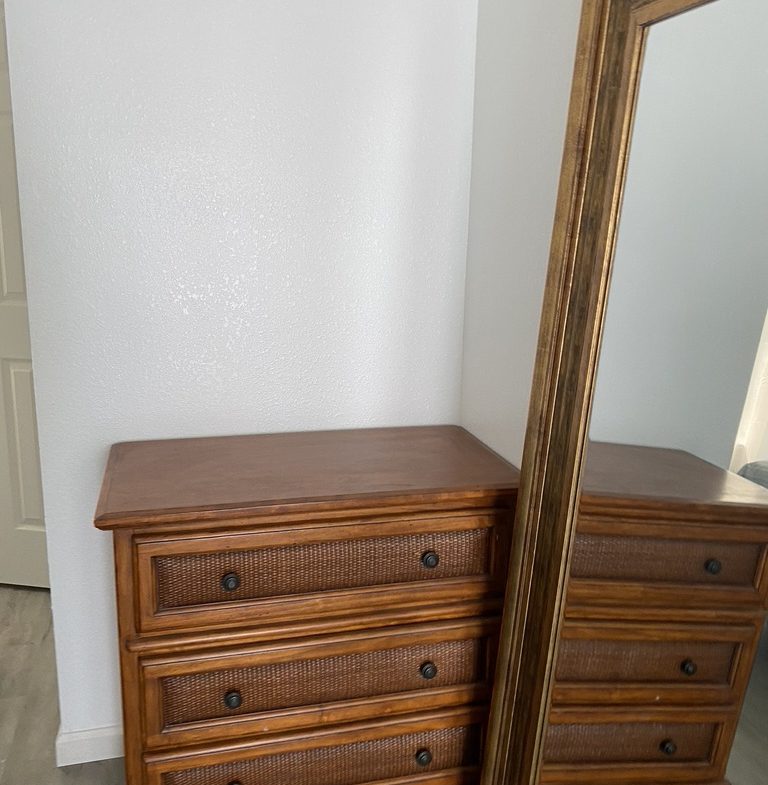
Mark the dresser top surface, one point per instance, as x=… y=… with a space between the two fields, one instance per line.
x=258 y=472
x=659 y=475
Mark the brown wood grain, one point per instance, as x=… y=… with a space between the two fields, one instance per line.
x=608 y=63
x=467 y=775
x=269 y=472
x=641 y=557
x=328 y=532
x=690 y=773
x=623 y=594
x=670 y=479
x=130 y=680
x=331 y=736
x=473 y=584
x=346 y=648
x=714 y=614
x=634 y=729
x=723 y=655
x=174 y=642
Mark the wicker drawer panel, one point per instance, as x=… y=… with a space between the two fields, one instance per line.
x=346 y=764
x=302 y=569
x=647 y=560
x=629 y=742
x=323 y=680
x=645 y=661
x=311 y=683
x=345 y=569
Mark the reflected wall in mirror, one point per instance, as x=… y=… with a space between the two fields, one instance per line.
x=668 y=576
x=689 y=288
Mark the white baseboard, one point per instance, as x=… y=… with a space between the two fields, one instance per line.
x=84 y=746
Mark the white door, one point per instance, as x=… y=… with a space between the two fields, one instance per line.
x=752 y=437
x=22 y=535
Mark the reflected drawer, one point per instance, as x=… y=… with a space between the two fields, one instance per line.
x=653 y=663
x=360 y=754
x=635 y=742
x=665 y=561
x=317 y=570
x=331 y=679
x=644 y=745
x=635 y=661
x=621 y=569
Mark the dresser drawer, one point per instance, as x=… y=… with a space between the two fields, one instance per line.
x=630 y=742
x=686 y=745
x=667 y=571
x=317 y=570
x=361 y=754
x=289 y=685
x=659 y=663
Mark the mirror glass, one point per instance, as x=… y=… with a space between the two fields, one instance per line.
x=683 y=369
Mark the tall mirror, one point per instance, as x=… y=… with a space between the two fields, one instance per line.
x=632 y=646
x=665 y=611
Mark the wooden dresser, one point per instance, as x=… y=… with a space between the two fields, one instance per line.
x=308 y=608
x=666 y=600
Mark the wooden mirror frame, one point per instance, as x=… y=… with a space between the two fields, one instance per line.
x=609 y=56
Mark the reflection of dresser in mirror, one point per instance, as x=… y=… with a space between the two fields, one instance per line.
x=663 y=615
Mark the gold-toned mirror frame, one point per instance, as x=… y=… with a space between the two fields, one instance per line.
x=609 y=55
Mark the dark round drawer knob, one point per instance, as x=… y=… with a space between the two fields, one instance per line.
x=230 y=581
x=668 y=747
x=713 y=566
x=235 y=782
x=428 y=670
x=430 y=559
x=233 y=699
x=689 y=667
x=424 y=757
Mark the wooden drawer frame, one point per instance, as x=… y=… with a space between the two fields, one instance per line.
x=637 y=772
x=155 y=669
x=605 y=591
x=158 y=763
x=745 y=638
x=325 y=603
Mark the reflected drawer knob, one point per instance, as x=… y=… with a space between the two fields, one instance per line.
x=688 y=667
x=233 y=699
x=713 y=566
x=428 y=670
x=424 y=757
x=668 y=747
x=430 y=560
x=230 y=581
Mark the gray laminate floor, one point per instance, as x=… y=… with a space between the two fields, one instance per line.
x=28 y=704
x=29 y=716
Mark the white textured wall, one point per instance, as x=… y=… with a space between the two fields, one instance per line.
x=690 y=287
x=525 y=57
x=238 y=217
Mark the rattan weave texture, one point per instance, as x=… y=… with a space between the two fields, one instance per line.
x=643 y=661
x=307 y=682
x=628 y=742
x=348 y=764
x=664 y=561
x=188 y=580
